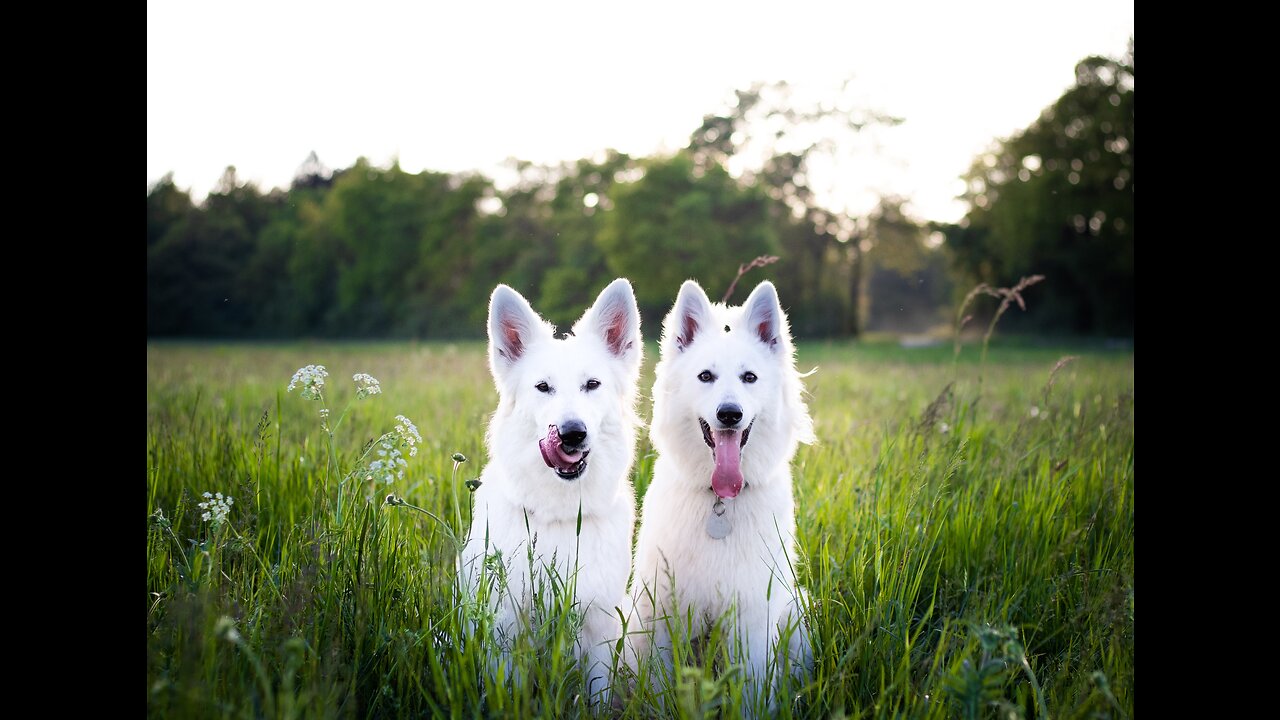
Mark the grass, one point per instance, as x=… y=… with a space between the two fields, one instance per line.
x=968 y=548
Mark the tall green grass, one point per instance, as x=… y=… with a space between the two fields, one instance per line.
x=968 y=548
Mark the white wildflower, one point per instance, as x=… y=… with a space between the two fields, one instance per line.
x=391 y=464
x=311 y=380
x=408 y=433
x=225 y=628
x=944 y=428
x=366 y=385
x=1035 y=411
x=216 y=508
x=389 y=469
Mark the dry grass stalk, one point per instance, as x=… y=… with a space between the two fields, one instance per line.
x=743 y=269
x=1053 y=374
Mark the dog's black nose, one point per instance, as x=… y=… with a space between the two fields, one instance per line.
x=729 y=414
x=572 y=433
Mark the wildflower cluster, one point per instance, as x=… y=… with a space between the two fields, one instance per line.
x=160 y=520
x=311 y=380
x=216 y=507
x=390 y=464
x=392 y=448
x=407 y=432
x=366 y=385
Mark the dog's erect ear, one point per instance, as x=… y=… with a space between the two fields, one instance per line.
x=615 y=319
x=762 y=314
x=513 y=328
x=691 y=314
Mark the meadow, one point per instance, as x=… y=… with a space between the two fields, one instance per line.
x=966 y=528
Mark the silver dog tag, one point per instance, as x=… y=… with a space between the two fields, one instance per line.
x=718 y=526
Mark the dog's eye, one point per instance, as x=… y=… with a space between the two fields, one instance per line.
x=592 y=384
x=543 y=387
x=749 y=377
x=706 y=376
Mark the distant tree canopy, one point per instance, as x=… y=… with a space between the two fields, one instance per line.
x=379 y=252
x=675 y=223
x=1057 y=199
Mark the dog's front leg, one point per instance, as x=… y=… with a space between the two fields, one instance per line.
x=795 y=650
x=757 y=635
x=648 y=639
x=501 y=660
x=600 y=633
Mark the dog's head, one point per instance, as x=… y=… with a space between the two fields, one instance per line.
x=561 y=398
x=727 y=387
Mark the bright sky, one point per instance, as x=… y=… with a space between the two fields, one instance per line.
x=463 y=86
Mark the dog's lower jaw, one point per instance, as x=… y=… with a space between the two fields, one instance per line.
x=577 y=470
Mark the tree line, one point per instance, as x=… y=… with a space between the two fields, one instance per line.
x=369 y=251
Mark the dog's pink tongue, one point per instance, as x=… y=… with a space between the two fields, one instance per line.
x=726 y=479
x=550 y=446
x=553 y=454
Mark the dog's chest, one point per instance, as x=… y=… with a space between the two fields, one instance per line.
x=593 y=557
x=753 y=543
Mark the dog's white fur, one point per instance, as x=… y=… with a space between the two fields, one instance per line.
x=523 y=506
x=680 y=571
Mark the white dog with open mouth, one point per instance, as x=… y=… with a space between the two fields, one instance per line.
x=561 y=446
x=717 y=533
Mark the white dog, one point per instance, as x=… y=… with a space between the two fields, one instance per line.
x=561 y=446
x=717 y=534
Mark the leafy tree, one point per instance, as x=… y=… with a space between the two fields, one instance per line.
x=908 y=285
x=313 y=175
x=773 y=137
x=195 y=271
x=168 y=211
x=167 y=205
x=583 y=199
x=543 y=238
x=1057 y=199
x=395 y=246
x=680 y=221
